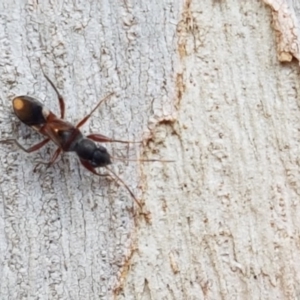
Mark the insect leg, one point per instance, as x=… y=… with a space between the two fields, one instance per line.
x=93 y=110
x=51 y=162
x=31 y=149
x=53 y=158
x=59 y=96
x=89 y=167
x=104 y=139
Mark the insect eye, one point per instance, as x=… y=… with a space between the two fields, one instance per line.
x=101 y=157
x=102 y=149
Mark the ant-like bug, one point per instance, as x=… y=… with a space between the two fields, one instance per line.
x=66 y=136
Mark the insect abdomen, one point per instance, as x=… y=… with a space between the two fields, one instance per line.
x=29 y=110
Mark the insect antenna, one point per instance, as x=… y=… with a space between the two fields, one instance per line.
x=125 y=185
x=140 y=160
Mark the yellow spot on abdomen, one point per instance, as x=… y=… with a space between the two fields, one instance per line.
x=18 y=104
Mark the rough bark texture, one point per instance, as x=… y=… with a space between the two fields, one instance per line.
x=65 y=233
x=225 y=218
x=200 y=83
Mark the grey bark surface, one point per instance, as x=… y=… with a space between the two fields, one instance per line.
x=65 y=233
x=199 y=82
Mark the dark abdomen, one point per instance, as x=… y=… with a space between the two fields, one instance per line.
x=29 y=110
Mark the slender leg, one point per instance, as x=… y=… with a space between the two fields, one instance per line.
x=104 y=139
x=52 y=160
x=54 y=157
x=88 y=116
x=31 y=149
x=89 y=167
x=59 y=96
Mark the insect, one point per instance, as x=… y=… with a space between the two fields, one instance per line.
x=65 y=135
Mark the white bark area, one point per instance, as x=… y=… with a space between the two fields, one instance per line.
x=201 y=84
x=65 y=233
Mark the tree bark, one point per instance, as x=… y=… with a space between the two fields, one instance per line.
x=200 y=83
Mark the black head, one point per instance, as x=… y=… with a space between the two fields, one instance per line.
x=97 y=156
